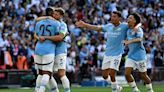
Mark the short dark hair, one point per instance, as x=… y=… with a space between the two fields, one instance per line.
x=118 y=13
x=60 y=10
x=137 y=17
x=49 y=11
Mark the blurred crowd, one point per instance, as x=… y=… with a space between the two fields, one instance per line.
x=85 y=47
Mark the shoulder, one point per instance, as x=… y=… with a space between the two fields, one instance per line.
x=124 y=24
x=107 y=25
x=63 y=23
x=40 y=22
x=140 y=30
x=54 y=22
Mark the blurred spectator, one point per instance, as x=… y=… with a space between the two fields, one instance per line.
x=70 y=68
x=8 y=59
x=149 y=61
x=22 y=61
x=2 y=61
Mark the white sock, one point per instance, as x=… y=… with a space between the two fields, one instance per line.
x=53 y=85
x=149 y=87
x=44 y=82
x=133 y=85
x=39 y=78
x=108 y=80
x=114 y=86
x=65 y=83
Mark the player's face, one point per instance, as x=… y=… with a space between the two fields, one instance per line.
x=115 y=18
x=57 y=15
x=131 y=21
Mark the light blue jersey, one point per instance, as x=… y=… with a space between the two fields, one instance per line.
x=46 y=27
x=136 y=50
x=115 y=36
x=61 y=47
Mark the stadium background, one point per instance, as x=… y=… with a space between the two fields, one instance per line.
x=85 y=47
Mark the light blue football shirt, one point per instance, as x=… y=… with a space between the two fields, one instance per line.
x=115 y=36
x=136 y=50
x=46 y=27
x=61 y=47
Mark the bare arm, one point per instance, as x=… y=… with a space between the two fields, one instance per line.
x=126 y=42
x=44 y=17
x=36 y=36
x=135 y=40
x=55 y=38
x=89 y=26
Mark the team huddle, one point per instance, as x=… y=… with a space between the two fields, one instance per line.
x=51 y=50
x=50 y=32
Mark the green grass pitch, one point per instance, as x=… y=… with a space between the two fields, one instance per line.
x=157 y=88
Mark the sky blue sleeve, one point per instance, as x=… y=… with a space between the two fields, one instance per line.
x=105 y=27
x=57 y=25
x=139 y=33
x=63 y=29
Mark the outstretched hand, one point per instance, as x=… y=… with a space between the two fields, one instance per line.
x=80 y=23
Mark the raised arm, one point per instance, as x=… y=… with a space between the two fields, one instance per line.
x=89 y=26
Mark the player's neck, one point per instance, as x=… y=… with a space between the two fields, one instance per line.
x=132 y=26
x=116 y=24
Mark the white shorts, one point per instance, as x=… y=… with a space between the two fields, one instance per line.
x=140 y=65
x=44 y=62
x=112 y=62
x=60 y=62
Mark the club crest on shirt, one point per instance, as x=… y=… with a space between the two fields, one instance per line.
x=116 y=29
x=119 y=29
